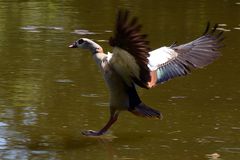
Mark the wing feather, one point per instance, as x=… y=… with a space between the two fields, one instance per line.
x=179 y=60
x=129 y=42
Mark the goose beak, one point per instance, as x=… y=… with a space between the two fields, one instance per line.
x=74 y=45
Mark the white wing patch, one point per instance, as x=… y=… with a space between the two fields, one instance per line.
x=124 y=64
x=109 y=56
x=160 y=56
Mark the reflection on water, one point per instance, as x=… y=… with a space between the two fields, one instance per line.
x=49 y=94
x=83 y=32
x=39 y=28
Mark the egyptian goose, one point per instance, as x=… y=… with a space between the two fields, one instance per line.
x=132 y=64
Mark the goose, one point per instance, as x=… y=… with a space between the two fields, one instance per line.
x=132 y=63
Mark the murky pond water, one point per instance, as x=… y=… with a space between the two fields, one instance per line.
x=50 y=93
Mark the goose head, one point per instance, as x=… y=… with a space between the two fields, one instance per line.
x=86 y=43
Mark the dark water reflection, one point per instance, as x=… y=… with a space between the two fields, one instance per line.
x=49 y=93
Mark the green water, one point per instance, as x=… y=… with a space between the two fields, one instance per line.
x=50 y=93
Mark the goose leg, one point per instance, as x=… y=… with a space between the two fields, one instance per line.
x=113 y=118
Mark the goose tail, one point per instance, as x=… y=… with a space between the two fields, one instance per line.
x=143 y=110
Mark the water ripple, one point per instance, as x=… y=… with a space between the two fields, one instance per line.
x=38 y=28
x=178 y=97
x=83 y=32
x=3 y=143
x=102 y=104
x=231 y=150
x=90 y=95
x=64 y=81
x=2 y=124
x=237 y=28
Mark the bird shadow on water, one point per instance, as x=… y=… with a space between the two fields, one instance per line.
x=113 y=146
x=108 y=144
x=87 y=141
x=104 y=143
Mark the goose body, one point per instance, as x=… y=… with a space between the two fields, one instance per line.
x=132 y=63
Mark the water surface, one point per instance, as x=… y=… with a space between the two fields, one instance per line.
x=50 y=93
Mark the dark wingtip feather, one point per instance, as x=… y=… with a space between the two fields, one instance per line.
x=127 y=36
x=219 y=34
x=214 y=28
x=207 y=28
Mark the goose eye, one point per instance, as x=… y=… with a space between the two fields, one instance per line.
x=80 y=41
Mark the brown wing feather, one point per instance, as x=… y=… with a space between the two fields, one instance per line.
x=128 y=37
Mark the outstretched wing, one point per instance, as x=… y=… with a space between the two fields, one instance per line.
x=131 y=51
x=169 y=62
